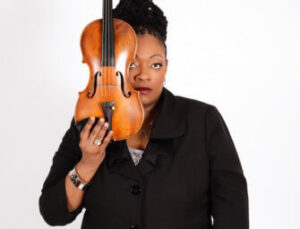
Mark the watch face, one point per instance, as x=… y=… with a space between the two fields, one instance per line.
x=76 y=181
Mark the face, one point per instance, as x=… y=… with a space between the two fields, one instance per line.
x=149 y=69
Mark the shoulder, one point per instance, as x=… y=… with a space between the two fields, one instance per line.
x=200 y=114
x=197 y=112
x=190 y=108
x=193 y=105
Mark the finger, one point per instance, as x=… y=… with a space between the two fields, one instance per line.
x=107 y=139
x=84 y=134
x=96 y=129
x=102 y=131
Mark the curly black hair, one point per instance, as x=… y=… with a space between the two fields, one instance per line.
x=144 y=16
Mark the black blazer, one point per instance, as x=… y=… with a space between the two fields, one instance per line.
x=189 y=177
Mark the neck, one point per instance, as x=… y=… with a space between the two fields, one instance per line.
x=148 y=111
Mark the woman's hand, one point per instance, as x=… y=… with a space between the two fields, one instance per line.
x=92 y=157
x=92 y=154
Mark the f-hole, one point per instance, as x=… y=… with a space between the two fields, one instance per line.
x=95 y=85
x=127 y=95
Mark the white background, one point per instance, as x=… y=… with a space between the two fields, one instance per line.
x=241 y=56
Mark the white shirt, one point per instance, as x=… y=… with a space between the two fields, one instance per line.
x=136 y=154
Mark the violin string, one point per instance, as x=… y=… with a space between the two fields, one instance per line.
x=112 y=79
x=109 y=46
x=105 y=32
x=100 y=73
x=108 y=54
x=106 y=47
x=111 y=42
x=103 y=51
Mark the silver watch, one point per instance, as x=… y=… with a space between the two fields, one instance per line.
x=76 y=181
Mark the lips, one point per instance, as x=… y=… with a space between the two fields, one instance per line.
x=144 y=90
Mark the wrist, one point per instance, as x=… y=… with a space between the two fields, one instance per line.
x=76 y=180
x=85 y=171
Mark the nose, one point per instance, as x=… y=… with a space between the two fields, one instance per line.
x=142 y=74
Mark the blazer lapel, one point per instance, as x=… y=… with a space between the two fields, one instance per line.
x=119 y=161
x=149 y=160
x=168 y=124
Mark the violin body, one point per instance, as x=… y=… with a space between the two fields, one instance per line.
x=108 y=93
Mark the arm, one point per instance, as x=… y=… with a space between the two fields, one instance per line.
x=228 y=186
x=60 y=201
x=53 y=200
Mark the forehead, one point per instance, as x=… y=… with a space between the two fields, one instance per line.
x=148 y=45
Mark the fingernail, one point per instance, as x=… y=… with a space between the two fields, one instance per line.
x=102 y=119
x=92 y=119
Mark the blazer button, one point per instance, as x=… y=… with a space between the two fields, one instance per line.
x=133 y=227
x=135 y=190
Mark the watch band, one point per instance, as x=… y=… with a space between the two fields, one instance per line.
x=76 y=180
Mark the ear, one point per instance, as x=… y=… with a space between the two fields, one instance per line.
x=167 y=62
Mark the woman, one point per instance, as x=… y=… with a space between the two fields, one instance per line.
x=181 y=170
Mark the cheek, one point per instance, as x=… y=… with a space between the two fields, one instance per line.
x=160 y=75
x=130 y=76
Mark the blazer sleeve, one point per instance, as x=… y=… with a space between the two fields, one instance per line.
x=53 y=200
x=228 y=185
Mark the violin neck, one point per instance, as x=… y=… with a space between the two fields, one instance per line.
x=108 y=51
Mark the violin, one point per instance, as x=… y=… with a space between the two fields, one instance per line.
x=108 y=46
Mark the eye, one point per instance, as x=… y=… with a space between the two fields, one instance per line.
x=157 y=65
x=132 y=65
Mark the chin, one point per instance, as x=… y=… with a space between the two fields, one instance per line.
x=145 y=101
x=148 y=102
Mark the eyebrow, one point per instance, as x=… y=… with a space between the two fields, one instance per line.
x=153 y=56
